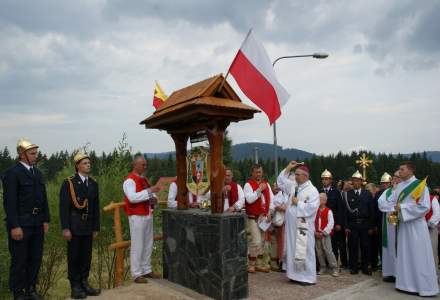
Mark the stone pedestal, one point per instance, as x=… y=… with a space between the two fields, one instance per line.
x=206 y=252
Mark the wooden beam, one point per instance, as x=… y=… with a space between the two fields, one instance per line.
x=180 y=141
x=215 y=137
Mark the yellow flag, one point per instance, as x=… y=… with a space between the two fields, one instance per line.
x=159 y=96
x=419 y=190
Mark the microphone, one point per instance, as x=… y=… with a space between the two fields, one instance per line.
x=296 y=191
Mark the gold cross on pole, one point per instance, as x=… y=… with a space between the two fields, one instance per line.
x=364 y=161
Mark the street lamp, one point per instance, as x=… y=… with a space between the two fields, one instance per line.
x=317 y=55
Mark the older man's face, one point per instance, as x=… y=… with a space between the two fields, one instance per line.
x=228 y=176
x=139 y=165
x=301 y=176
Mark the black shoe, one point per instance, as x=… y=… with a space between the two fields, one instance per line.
x=354 y=272
x=77 y=292
x=366 y=272
x=31 y=294
x=89 y=290
x=20 y=296
x=389 y=279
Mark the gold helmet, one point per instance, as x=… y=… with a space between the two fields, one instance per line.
x=357 y=175
x=386 y=178
x=326 y=174
x=79 y=156
x=24 y=144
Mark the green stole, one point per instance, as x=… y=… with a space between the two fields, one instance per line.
x=403 y=194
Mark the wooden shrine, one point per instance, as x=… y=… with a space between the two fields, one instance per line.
x=208 y=106
x=204 y=251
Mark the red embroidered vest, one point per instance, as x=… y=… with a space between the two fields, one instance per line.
x=323 y=215
x=257 y=208
x=233 y=194
x=140 y=208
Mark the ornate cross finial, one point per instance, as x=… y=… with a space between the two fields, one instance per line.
x=364 y=162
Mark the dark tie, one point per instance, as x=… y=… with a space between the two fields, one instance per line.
x=31 y=169
x=357 y=193
x=86 y=182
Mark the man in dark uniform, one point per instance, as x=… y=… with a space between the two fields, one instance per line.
x=359 y=220
x=334 y=202
x=79 y=217
x=27 y=220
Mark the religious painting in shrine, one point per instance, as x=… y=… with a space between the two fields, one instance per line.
x=199 y=170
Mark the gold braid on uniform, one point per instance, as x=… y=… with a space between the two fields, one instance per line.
x=73 y=196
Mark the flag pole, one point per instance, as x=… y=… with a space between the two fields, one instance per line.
x=227 y=73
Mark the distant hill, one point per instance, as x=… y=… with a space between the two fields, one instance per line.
x=247 y=150
x=265 y=151
x=434 y=155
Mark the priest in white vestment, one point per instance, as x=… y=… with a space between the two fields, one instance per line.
x=388 y=233
x=415 y=267
x=300 y=260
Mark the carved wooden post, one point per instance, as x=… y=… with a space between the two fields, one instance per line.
x=180 y=141
x=215 y=137
x=120 y=244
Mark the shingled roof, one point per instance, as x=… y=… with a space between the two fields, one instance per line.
x=198 y=105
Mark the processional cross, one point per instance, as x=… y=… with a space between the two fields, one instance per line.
x=364 y=161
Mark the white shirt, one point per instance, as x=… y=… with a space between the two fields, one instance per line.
x=25 y=165
x=172 y=194
x=240 y=202
x=83 y=178
x=129 y=187
x=435 y=218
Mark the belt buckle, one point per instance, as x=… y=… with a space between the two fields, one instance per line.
x=84 y=217
x=35 y=210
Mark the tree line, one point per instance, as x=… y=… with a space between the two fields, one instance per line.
x=341 y=165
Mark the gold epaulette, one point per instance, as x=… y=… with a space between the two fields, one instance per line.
x=73 y=195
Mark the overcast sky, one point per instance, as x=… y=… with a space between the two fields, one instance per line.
x=73 y=72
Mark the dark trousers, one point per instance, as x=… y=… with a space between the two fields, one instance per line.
x=374 y=247
x=359 y=233
x=79 y=257
x=26 y=256
x=339 y=246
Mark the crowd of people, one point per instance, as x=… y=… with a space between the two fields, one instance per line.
x=317 y=231
x=309 y=230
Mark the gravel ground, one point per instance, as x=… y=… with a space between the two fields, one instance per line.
x=272 y=286
x=276 y=286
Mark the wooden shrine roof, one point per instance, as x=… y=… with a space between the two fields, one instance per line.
x=199 y=104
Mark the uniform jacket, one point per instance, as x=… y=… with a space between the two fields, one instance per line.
x=363 y=207
x=24 y=197
x=80 y=221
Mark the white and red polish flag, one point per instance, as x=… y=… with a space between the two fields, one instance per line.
x=254 y=74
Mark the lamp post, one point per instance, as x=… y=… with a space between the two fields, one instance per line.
x=275 y=143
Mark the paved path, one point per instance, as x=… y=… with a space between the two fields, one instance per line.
x=272 y=286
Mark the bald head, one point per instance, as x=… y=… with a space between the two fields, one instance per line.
x=139 y=164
